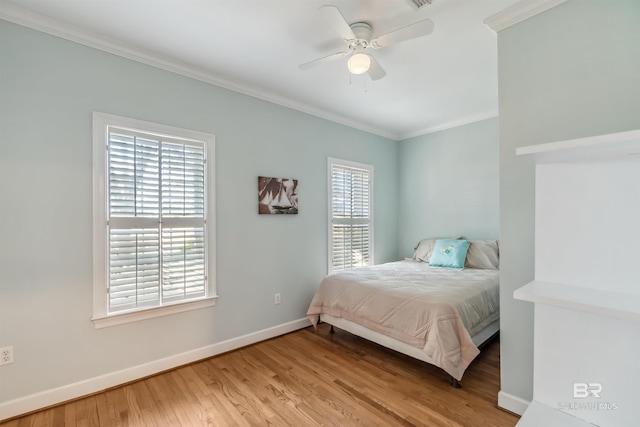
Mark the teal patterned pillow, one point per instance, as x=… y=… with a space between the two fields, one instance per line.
x=449 y=253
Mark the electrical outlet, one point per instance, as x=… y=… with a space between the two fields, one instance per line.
x=6 y=355
x=277 y=299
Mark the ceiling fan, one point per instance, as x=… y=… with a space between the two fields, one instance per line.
x=358 y=37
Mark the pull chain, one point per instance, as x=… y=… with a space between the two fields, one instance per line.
x=364 y=80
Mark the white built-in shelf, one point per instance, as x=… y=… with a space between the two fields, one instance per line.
x=598 y=301
x=612 y=146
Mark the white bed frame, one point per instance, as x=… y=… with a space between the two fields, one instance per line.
x=478 y=339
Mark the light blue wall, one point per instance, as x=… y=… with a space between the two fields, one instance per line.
x=570 y=72
x=448 y=185
x=49 y=88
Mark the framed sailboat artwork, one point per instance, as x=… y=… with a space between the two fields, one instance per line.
x=277 y=195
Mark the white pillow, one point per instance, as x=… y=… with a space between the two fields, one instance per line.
x=483 y=254
x=424 y=249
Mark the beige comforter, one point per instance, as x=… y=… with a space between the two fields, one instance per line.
x=431 y=308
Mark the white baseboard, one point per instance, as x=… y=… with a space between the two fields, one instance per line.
x=67 y=392
x=512 y=403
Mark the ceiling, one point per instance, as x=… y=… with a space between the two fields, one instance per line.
x=433 y=82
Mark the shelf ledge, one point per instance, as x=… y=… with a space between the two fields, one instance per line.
x=539 y=414
x=612 y=146
x=597 y=301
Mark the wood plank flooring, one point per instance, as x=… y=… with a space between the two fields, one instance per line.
x=305 y=378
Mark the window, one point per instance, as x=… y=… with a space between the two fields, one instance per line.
x=350 y=214
x=153 y=220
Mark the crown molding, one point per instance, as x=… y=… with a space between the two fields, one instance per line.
x=519 y=12
x=449 y=125
x=68 y=32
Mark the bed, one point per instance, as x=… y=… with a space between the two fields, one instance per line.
x=434 y=313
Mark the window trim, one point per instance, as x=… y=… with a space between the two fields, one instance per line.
x=101 y=317
x=349 y=164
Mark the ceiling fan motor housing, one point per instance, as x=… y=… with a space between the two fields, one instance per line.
x=362 y=31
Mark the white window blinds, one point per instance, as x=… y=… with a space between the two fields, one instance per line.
x=351 y=228
x=156 y=219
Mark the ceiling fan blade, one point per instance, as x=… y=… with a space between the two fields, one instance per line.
x=376 y=72
x=412 y=31
x=323 y=60
x=336 y=20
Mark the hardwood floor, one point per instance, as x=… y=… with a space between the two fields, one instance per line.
x=306 y=378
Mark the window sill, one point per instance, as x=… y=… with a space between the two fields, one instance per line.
x=128 y=317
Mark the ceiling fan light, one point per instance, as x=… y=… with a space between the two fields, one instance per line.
x=359 y=63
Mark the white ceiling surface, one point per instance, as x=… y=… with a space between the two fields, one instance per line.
x=434 y=82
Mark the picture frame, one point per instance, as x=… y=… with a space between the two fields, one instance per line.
x=277 y=196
